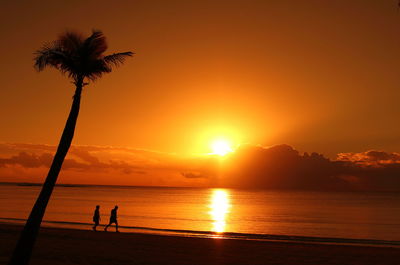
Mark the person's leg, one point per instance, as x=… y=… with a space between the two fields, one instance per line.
x=105 y=228
x=116 y=226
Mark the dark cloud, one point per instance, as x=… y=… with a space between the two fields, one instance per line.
x=27 y=160
x=193 y=175
x=282 y=167
x=88 y=163
x=373 y=170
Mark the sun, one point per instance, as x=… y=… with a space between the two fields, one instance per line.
x=221 y=147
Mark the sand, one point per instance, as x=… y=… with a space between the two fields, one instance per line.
x=69 y=246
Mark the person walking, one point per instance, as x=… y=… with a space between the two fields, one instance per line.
x=96 y=217
x=113 y=219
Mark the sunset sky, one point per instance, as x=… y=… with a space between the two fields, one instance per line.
x=320 y=76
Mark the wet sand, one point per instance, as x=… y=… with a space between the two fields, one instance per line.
x=69 y=246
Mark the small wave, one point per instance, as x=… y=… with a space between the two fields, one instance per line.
x=233 y=235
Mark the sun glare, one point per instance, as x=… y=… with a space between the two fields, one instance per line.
x=221 y=147
x=219 y=209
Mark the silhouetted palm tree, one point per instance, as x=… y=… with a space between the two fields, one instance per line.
x=81 y=59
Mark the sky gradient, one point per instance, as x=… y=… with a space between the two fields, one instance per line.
x=320 y=76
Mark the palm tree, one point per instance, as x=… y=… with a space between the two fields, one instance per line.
x=81 y=59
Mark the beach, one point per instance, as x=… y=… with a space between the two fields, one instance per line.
x=72 y=246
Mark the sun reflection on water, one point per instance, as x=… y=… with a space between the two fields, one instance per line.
x=219 y=206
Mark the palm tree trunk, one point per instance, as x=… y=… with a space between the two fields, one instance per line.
x=23 y=250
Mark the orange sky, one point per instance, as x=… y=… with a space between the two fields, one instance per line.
x=321 y=75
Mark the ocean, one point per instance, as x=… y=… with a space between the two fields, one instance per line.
x=341 y=217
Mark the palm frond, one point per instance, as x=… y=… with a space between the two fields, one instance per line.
x=95 y=45
x=71 y=41
x=49 y=55
x=116 y=59
x=96 y=69
x=52 y=55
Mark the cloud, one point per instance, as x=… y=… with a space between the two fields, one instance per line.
x=84 y=157
x=373 y=170
x=96 y=165
x=373 y=157
x=90 y=162
x=283 y=167
x=193 y=175
x=27 y=160
x=275 y=167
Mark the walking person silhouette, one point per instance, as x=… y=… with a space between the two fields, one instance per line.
x=96 y=217
x=113 y=219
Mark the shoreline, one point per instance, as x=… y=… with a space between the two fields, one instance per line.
x=210 y=234
x=72 y=246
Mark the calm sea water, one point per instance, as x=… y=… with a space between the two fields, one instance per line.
x=225 y=211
